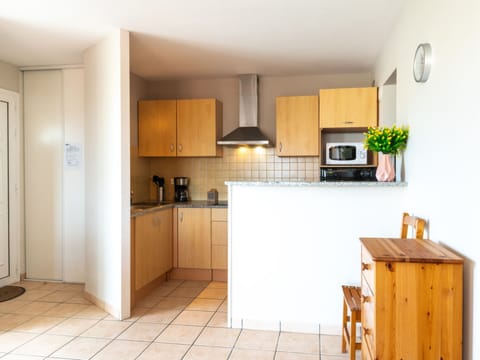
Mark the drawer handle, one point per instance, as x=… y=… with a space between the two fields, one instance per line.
x=172 y=147
x=280 y=147
x=366 y=299
x=366 y=266
x=367 y=331
x=180 y=147
x=348 y=122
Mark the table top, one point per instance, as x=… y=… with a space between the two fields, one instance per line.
x=409 y=250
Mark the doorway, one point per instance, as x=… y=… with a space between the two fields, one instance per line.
x=9 y=186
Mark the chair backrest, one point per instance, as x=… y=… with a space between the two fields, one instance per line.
x=416 y=223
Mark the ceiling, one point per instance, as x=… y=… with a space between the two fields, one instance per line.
x=203 y=38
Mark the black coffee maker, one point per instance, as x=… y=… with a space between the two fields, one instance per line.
x=181 y=188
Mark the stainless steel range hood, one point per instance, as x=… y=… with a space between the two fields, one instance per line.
x=248 y=132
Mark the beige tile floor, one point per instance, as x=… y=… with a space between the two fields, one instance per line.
x=179 y=320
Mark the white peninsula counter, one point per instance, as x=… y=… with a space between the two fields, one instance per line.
x=292 y=245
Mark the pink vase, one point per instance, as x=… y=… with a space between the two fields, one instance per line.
x=386 y=167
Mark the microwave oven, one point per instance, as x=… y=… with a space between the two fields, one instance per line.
x=345 y=153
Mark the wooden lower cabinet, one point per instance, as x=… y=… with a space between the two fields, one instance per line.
x=411 y=300
x=153 y=246
x=194 y=238
x=219 y=239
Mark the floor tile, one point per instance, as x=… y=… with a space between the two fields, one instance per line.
x=39 y=324
x=12 y=306
x=296 y=356
x=91 y=312
x=186 y=292
x=257 y=339
x=142 y=332
x=204 y=304
x=207 y=353
x=59 y=296
x=160 y=351
x=163 y=291
x=35 y=308
x=300 y=343
x=162 y=316
x=341 y=357
x=197 y=318
x=179 y=334
x=11 y=340
x=218 y=337
x=29 y=284
x=34 y=294
x=224 y=306
x=172 y=283
x=331 y=345
x=217 y=285
x=43 y=345
x=149 y=301
x=106 y=329
x=137 y=313
x=21 y=357
x=66 y=310
x=194 y=284
x=72 y=327
x=121 y=349
x=78 y=300
x=219 y=319
x=52 y=286
x=81 y=348
x=220 y=294
x=9 y=321
x=173 y=303
x=244 y=354
x=73 y=287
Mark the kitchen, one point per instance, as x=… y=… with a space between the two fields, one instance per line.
x=424 y=107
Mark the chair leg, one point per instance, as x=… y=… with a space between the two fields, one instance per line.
x=353 y=334
x=344 y=325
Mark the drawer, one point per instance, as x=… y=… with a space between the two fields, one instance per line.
x=219 y=233
x=219 y=214
x=368 y=269
x=219 y=257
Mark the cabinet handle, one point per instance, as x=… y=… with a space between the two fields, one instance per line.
x=367 y=331
x=366 y=266
x=348 y=122
x=280 y=147
x=366 y=299
x=172 y=147
x=181 y=217
x=180 y=147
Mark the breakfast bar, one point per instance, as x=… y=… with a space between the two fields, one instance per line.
x=292 y=245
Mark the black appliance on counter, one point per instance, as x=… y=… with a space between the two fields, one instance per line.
x=181 y=188
x=348 y=174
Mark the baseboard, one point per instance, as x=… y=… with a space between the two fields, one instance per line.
x=102 y=305
x=220 y=275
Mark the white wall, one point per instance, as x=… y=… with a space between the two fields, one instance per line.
x=444 y=119
x=107 y=186
x=9 y=77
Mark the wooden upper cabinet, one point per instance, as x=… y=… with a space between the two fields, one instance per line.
x=199 y=125
x=297 y=125
x=348 y=108
x=157 y=127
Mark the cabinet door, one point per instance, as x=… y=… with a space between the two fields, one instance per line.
x=199 y=125
x=297 y=125
x=219 y=239
x=153 y=246
x=349 y=107
x=194 y=238
x=157 y=127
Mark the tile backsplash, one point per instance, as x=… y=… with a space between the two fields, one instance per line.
x=241 y=164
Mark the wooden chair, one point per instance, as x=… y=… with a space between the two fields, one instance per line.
x=352 y=295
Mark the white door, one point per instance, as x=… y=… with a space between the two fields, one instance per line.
x=43 y=124
x=4 y=221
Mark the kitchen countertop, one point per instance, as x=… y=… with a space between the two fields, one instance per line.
x=170 y=205
x=318 y=183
